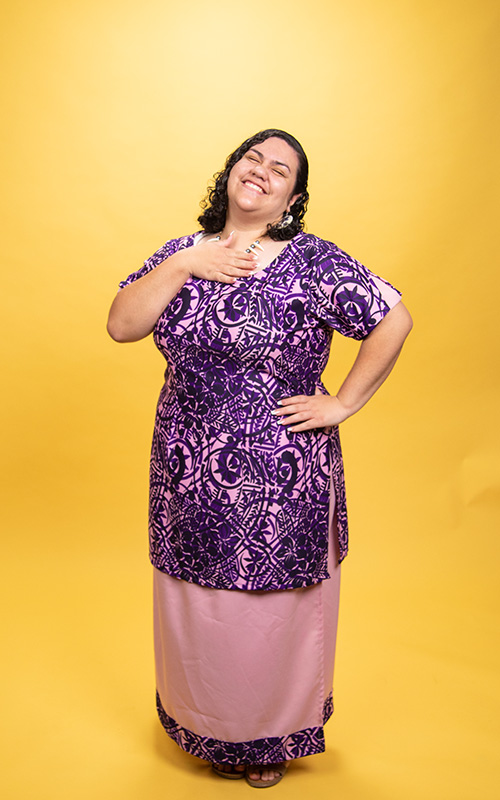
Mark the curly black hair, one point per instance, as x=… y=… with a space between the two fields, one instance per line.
x=214 y=205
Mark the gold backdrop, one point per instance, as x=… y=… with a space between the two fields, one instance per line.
x=115 y=115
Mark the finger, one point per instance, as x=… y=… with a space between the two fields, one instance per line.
x=234 y=262
x=296 y=398
x=300 y=416
x=304 y=426
x=247 y=266
x=227 y=242
x=223 y=278
x=287 y=410
x=244 y=257
x=236 y=272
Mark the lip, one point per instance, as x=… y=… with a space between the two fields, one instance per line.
x=253 y=186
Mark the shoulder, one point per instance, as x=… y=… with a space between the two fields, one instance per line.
x=170 y=247
x=321 y=260
x=188 y=240
x=313 y=249
x=180 y=242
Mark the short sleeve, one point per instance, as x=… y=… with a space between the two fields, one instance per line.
x=167 y=250
x=345 y=294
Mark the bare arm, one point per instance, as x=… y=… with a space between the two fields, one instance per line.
x=136 y=308
x=376 y=357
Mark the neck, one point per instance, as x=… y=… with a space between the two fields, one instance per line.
x=249 y=223
x=242 y=237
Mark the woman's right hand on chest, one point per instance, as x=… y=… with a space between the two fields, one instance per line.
x=137 y=307
x=215 y=260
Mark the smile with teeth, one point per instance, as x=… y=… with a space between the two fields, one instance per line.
x=254 y=186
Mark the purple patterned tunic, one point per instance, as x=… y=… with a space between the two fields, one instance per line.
x=236 y=500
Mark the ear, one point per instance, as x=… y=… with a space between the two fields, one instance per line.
x=292 y=200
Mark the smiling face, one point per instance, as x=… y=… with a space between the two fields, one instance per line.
x=261 y=183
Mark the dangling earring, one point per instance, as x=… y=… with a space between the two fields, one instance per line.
x=286 y=221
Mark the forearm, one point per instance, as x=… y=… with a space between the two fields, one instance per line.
x=376 y=358
x=136 y=308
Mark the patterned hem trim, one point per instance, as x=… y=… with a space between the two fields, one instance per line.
x=271 y=750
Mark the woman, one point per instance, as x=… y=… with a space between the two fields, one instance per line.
x=247 y=506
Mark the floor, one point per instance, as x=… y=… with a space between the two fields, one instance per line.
x=414 y=692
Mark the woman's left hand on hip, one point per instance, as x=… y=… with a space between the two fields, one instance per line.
x=304 y=412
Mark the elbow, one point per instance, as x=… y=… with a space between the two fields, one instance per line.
x=123 y=330
x=116 y=331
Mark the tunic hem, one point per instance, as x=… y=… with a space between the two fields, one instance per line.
x=184 y=575
x=270 y=750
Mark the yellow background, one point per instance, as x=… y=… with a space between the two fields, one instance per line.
x=116 y=114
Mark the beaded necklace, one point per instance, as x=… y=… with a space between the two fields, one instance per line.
x=255 y=244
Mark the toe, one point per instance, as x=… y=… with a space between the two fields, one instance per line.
x=230 y=768
x=266 y=774
x=263 y=774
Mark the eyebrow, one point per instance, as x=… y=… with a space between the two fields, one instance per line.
x=277 y=163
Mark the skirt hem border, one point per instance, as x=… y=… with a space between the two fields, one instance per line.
x=268 y=750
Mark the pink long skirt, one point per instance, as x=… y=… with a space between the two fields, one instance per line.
x=246 y=677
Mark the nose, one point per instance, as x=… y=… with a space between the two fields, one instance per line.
x=259 y=169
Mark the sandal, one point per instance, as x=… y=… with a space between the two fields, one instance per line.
x=233 y=774
x=260 y=784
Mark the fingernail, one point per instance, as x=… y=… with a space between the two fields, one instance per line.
x=274 y=412
x=279 y=403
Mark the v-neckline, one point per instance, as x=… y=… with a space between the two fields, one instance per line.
x=199 y=236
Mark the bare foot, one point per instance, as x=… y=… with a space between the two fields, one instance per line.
x=269 y=774
x=229 y=770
